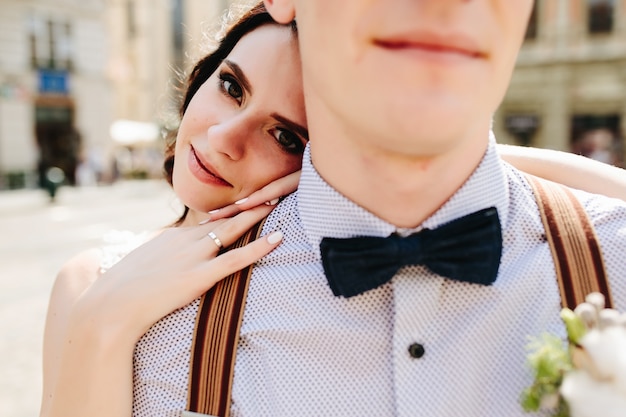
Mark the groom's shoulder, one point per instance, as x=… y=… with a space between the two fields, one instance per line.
x=285 y=216
x=608 y=217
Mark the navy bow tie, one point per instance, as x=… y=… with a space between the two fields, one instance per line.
x=466 y=249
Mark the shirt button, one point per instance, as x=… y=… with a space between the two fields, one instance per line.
x=416 y=350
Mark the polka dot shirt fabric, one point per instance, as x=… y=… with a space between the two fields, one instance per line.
x=304 y=352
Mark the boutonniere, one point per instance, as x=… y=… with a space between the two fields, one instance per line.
x=585 y=375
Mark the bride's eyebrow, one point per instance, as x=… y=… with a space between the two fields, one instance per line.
x=236 y=69
x=291 y=125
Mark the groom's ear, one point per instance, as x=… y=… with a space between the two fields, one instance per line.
x=283 y=11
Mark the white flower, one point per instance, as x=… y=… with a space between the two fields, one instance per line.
x=588 y=397
x=589 y=374
x=599 y=383
x=607 y=350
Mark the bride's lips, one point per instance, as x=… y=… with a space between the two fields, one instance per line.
x=203 y=171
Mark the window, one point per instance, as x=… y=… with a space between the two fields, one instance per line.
x=178 y=25
x=131 y=19
x=531 y=29
x=600 y=15
x=63 y=46
x=39 y=48
x=50 y=43
x=598 y=137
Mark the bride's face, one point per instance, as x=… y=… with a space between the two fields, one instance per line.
x=245 y=126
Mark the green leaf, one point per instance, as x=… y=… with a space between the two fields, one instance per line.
x=574 y=325
x=549 y=359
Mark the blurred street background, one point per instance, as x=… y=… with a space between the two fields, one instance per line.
x=87 y=88
x=37 y=238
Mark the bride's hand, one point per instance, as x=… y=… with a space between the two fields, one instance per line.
x=168 y=272
x=269 y=195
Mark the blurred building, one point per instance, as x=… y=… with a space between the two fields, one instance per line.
x=153 y=45
x=55 y=99
x=568 y=91
x=139 y=67
x=85 y=85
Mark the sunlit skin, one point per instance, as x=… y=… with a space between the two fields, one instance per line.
x=399 y=91
x=402 y=70
x=244 y=127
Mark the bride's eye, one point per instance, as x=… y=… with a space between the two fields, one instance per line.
x=289 y=141
x=230 y=87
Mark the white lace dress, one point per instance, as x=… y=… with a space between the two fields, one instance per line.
x=161 y=358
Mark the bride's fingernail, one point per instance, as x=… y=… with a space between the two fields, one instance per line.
x=243 y=200
x=275 y=237
x=205 y=221
x=272 y=202
x=214 y=211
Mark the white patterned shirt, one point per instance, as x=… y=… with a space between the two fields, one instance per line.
x=305 y=352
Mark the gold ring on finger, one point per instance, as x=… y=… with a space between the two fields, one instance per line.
x=216 y=239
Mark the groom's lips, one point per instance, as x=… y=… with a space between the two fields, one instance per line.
x=426 y=44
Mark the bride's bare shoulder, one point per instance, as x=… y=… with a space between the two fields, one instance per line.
x=78 y=273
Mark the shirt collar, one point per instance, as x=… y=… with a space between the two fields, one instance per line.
x=327 y=213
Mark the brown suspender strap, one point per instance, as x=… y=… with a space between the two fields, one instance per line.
x=215 y=341
x=573 y=241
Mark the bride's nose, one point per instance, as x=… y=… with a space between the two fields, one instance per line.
x=231 y=136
